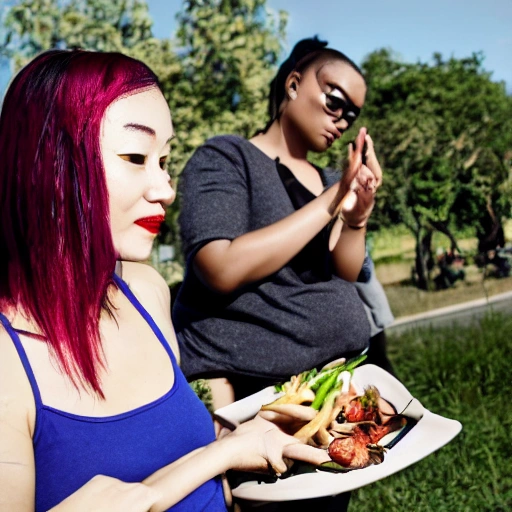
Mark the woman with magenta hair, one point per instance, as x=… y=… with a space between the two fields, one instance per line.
x=95 y=413
x=273 y=243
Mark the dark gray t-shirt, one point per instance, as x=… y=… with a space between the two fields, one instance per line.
x=287 y=323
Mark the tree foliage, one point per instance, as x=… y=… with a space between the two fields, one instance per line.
x=440 y=131
x=33 y=26
x=229 y=50
x=443 y=131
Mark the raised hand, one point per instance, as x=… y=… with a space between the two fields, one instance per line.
x=359 y=182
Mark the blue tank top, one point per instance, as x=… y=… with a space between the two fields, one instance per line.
x=70 y=449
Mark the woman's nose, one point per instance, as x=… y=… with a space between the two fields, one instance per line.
x=160 y=189
x=341 y=124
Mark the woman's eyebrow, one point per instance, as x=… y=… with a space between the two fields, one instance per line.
x=145 y=129
x=140 y=128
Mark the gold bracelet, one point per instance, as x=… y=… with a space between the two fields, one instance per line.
x=345 y=223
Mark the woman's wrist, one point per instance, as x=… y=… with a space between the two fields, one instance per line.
x=227 y=445
x=333 y=196
x=355 y=226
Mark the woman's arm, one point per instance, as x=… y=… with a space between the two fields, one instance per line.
x=349 y=250
x=17 y=473
x=226 y=265
x=359 y=185
x=106 y=494
x=253 y=446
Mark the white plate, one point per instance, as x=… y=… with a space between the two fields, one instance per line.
x=430 y=433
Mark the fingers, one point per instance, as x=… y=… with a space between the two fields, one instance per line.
x=359 y=143
x=299 y=451
x=357 y=205
x=274 y=451
x=371 y=161
x=272 y=446
x=365 y=180
x=289 y=417
x=361 y=136
x=355 y=159
x=228 y=496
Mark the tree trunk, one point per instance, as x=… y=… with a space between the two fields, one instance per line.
x=423 y=258
x=442 y=228
x=491 y=234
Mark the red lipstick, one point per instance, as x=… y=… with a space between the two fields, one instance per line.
x=152 y=224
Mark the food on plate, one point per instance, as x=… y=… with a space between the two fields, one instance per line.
x=324 y=409
x=358 y=448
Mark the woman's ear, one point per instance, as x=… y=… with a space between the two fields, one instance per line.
x=292 y=85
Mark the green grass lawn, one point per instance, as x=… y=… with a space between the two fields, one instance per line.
x=462 y=374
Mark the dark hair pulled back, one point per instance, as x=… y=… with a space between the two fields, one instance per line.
x=303 y=54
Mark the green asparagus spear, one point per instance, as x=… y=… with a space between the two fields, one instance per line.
x=324 y=390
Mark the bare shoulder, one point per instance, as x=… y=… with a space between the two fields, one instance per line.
x=145 y=282
x=15 y=390
x=17 y=420
x=143 y=274
x=153 y=293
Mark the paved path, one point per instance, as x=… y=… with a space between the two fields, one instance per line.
x=462 y=314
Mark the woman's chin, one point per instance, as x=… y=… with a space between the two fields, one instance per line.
x=140 y=254
x=323 y=143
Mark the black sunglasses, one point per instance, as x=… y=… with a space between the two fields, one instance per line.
x=334 y=103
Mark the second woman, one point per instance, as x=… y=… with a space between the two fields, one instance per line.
x=273 y=243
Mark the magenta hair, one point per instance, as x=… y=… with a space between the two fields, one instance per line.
x=56 y=251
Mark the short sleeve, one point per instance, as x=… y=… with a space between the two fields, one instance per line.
x=214 y=195
x=330 y=176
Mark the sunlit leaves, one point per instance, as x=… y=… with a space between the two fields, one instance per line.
x=439 y=133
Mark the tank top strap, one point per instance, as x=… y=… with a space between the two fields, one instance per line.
x=123 y=286
x=24 y=359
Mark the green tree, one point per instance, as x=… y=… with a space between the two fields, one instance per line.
x=229 y=53
x=228 y=50
x=438 y=131
x=32 y=26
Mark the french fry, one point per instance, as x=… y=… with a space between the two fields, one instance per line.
x=322 y=419
x=293 y=396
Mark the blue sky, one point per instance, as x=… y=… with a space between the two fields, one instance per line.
x=413 y=29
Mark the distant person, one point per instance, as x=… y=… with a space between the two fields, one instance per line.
x=273 y=243
x=499 y=263
x=450 y=265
